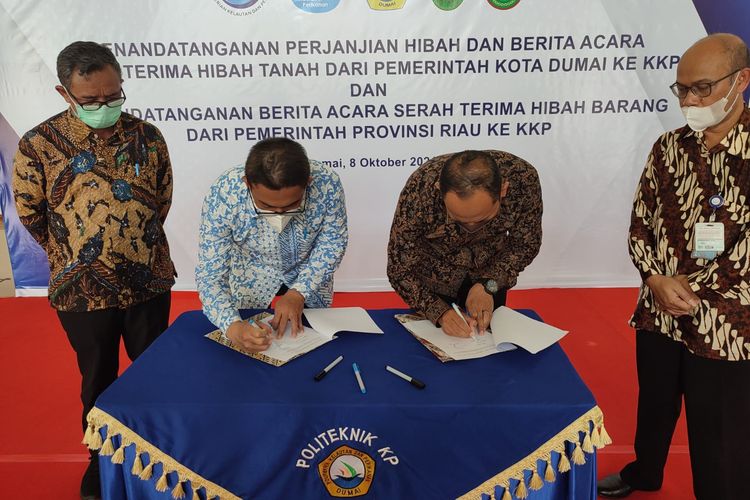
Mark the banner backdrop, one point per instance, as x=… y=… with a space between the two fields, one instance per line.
x=375 y=88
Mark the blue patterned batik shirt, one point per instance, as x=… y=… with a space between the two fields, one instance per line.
x=243 y=260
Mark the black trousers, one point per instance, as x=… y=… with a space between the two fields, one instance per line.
x=95 y=337
x=463 y=292
x=717 y=409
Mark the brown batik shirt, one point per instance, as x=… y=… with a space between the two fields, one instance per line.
x=97 y=207
x=679 y=178
x=430 y=254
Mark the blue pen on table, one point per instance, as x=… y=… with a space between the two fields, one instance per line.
x=416 y=383
x=458 y=311
x=327 y=369
x=359 y=378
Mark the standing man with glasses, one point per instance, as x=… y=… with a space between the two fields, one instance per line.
x=690 y=240
x=93 y=186
x=275 y=227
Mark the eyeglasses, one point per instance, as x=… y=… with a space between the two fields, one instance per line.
x=699 y=89
x=294 y=211
x=93 y=106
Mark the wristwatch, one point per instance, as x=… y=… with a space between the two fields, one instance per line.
x=490 y=285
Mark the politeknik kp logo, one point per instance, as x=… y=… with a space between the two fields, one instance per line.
x=347 y=472
x=316 y=6
x=503 y=4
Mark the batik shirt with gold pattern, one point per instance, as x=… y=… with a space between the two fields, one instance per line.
x=673 y=195
x=429 y=254
x=97 y=206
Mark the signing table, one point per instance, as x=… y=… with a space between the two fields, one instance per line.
x=193 y=419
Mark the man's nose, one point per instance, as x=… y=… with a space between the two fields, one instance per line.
x=691 y=100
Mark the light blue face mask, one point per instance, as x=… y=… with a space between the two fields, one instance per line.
x=104 y=117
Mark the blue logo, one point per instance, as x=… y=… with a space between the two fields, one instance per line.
x=316 y=6
x=240 y=4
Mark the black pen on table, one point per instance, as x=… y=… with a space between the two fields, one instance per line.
x=416 y=383
x=327 y=369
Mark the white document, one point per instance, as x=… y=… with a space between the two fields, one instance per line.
x=508 y=329
x=287 y=347
x=324 y=324
x=341 y=319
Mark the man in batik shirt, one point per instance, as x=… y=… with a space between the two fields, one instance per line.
x=276 y=226
x=690 y=240
x=465 y=226
x=93 y=186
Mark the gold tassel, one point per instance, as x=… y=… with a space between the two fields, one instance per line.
x=119 y=456
x=578 y=456
x=137 y=464
x=549 y=473
x=147 y=472
x=162 y=485
x=605 y=437
x=587 y=446
x=536 y=482
x=596 y=438
x=506 y=494
x=178 y=492
x=107 y=448
x=521 y=491
x=87 y=436
x=96 y=440
x=564 y=464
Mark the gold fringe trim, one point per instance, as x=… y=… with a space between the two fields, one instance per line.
x=536 y=482
x=572 y=434
x=549 y=472
x=98 y=419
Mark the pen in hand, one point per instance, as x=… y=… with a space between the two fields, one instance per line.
x=473 y=333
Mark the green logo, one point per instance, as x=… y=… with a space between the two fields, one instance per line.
x=447 y=4
x=503 y=4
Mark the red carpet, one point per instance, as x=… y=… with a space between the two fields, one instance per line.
x=40 y=457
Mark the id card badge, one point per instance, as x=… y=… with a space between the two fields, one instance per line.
x=708 y=240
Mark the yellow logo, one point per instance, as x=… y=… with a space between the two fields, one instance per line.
x=347 y=472
x=386 y=4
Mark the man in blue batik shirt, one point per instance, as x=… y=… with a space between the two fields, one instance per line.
x=276 y=227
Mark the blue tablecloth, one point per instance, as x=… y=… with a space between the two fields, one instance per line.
x=210 y=420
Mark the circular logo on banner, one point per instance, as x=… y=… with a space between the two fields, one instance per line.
x=240 y=4
x=503 y=4
x=347 y=472
x=386 y=4
x=447 y=4
x=316 y=6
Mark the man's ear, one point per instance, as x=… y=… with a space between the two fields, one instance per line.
x=744 y=74
x=61 y=90
x=504 y=189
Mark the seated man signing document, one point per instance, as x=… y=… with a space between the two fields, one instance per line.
x=276 y=227
x=465 y=226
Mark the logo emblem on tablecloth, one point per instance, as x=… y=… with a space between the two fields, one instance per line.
x=347 y=472
x=316 y=6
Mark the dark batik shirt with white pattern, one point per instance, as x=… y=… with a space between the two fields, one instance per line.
x=429 y=254
x=679 y=178
x=97 y=207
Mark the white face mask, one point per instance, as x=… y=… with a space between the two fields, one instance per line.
x=701 y=118
x=278 y=222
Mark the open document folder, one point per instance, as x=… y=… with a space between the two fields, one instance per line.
x=508 y=329
x=324 y=325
